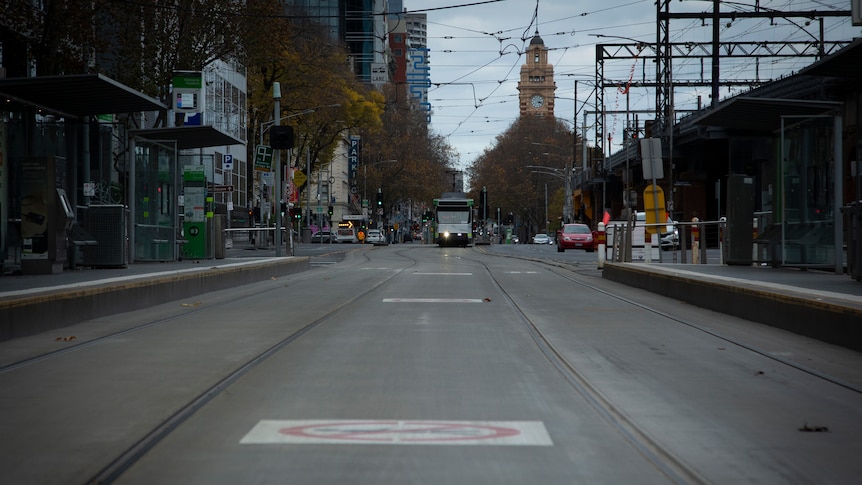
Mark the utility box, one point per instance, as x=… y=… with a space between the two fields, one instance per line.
x=739 y=236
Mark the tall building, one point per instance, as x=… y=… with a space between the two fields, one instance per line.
x=360 y=25
x=418 y=61
x=409 y=66
x=537 y=85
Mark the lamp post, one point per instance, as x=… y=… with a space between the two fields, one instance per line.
x=566 y=176
x=265 y=126
x=276 y=160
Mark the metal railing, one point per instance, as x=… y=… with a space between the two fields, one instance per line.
x=699 y=242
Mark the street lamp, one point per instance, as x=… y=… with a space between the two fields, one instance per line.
x=566 y=176
x=279 y=186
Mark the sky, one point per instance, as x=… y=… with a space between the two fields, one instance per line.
x=476 y=53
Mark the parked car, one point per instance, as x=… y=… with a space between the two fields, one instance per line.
x=321 y=237
x=541 y=239
x=375 y=236
x=575 y=236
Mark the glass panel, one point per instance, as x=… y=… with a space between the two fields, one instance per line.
x=808 y=238
x=155 y=201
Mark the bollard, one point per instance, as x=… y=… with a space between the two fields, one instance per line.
x=695 y=241
x=602 y=242
x=647 y=246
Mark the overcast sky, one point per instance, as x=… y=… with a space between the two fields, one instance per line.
x=477 y=52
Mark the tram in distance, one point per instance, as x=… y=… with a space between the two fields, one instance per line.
x=453 y=216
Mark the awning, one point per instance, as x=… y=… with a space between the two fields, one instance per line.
x=78 y=95
x=761 y=114
x=846 y=63
x=188 y=136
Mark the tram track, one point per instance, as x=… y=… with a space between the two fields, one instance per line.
x=131 y=455
x=658 y=456
x=565 y=271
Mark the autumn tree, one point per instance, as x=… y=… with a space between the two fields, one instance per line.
x=403 y=157
x=513 y=186
x=320 y=97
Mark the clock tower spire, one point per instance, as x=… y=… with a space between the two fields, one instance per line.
x=537 y=85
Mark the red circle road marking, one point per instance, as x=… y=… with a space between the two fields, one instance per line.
x=399 y=431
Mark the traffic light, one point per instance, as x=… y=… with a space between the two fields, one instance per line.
x=281 y=137
x=329 y=210
x=296 y=213
x=283 y=208
x=379 y=199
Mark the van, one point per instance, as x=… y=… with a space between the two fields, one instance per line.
x=668 y=236
x=346 y=235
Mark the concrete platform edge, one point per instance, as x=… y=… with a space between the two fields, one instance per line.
x=53 y=309
x=817 y=318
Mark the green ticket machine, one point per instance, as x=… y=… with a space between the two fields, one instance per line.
x=194 y=212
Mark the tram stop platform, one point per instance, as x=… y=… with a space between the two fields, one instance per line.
x=818 y=304
x=31 y=304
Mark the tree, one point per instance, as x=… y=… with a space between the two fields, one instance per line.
x=55 y=37
x=421 y=158
x=512 y=185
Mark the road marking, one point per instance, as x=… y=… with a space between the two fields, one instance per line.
x=521 y=272
x=393 y=432
x=445 y=274
x=432 y=300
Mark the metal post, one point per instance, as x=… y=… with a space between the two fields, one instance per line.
x=276 y=96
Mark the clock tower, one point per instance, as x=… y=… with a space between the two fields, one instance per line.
x=537 y=85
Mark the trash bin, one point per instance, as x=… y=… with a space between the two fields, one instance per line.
x=306 y=235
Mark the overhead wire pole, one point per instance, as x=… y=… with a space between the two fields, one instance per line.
x=276 y=160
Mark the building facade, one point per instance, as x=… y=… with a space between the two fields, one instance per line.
x=536 y=86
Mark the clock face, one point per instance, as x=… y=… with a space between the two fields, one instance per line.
x=537 y=101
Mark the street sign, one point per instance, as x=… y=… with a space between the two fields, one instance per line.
x=299 y=178
x=222 y=188
x=263 y=158
x=651 y=157
x=654 y=208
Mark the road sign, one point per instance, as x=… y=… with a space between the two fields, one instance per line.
x=227 y=162
x=654 y=208
x=651 y=156
x=299 y=178
x=263 y=158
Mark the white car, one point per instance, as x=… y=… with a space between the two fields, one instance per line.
x=541 y=239
x=375 y=236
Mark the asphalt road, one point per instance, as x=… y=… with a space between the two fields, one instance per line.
x=415 y=364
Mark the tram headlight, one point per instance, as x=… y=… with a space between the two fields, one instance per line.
x=446 y=235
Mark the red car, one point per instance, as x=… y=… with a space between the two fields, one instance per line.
x=575 y=236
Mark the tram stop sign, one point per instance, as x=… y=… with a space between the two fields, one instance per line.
x=654 y=208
